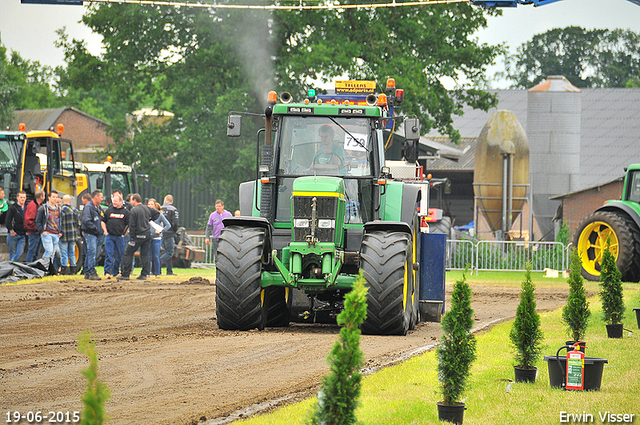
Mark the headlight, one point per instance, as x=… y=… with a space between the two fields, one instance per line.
x=326 y=224
x=301 y=222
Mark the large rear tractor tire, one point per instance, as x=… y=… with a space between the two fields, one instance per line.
x=624 y=242
x=238 y=274
x=386 y=260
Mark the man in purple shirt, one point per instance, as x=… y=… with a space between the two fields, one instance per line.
x=214 y=227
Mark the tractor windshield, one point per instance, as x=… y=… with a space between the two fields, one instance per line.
x=119 y=181
x=336 y=146
x=325 y=146
x=9 y=150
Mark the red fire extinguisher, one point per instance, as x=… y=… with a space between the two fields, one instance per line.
x=575 y=369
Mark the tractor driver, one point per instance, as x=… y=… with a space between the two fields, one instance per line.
x=329 y=153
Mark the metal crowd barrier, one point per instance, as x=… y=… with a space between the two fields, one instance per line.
x=198 y=240
x=506 y=255
x=480 y=255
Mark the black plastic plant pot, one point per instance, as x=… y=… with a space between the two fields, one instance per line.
x=583 y=345
x=614 y=331
x=525 y=375
x=593 y=368
x=637 y=310
x=453 y=414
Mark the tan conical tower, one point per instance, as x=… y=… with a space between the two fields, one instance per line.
x=502 y=141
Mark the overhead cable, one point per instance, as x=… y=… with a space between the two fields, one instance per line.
x=300 y=6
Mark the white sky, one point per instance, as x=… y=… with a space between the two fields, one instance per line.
x=30 y=29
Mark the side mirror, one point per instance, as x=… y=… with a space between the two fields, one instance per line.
x=234 y=125
x=412 y=128
x=411 y=146
x=99 y=183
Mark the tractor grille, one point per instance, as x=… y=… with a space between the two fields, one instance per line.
x=326 y=211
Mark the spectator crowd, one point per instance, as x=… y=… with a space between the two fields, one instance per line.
x=126 y=226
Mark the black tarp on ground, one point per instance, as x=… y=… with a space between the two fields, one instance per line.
x=11 y=271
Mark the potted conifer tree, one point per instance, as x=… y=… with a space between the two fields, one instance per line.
x=576 y=313
x=456 y=353
x=526 y=334
x=611 y=295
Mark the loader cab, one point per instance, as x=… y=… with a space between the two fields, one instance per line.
x=48 y=163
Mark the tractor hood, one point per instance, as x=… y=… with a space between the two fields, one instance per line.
x=318 y=185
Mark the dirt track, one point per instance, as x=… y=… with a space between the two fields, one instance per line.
x=164 y=358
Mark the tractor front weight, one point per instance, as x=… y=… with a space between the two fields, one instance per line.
x=309 y=266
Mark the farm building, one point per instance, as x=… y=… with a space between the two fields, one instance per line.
x=88 y=133
x=580 y=141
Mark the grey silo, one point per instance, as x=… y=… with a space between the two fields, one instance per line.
x=554 y=109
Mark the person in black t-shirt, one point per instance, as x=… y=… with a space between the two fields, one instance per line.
x=140 y=237
x=115 y=225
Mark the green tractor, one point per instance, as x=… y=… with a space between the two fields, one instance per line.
x=323 y=207
x=616 y=224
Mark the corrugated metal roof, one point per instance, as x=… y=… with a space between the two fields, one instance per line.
x=44 y=119
x=610 y=130
x=467 y=147
x=566 y=195
x=37 y=119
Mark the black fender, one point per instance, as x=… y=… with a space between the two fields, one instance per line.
x=396 y=226
x=621 y=206
x=254 y=222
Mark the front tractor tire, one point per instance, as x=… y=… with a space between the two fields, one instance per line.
x=624 y=243
x=238 y=278
x=387 y=264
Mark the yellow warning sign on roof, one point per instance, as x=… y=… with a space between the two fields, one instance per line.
x=355 y=87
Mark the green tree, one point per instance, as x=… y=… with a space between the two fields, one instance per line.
x=611 y=289
x=34 y=83
x=576 y=313
x=458 y=348
x=526 y=335
x=418 y=46
x=587 y=58
x=7 y=90
x=200 y=64
x=97 y=393
x=171 y=59
x=564 y=235
x=338 y=398
x=24 y=84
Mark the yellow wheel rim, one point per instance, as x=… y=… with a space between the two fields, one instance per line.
x=593 y=242
x=416 y=235
x=405 y=289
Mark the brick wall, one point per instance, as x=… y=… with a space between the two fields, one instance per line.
x=577 y=206
x=83 y=131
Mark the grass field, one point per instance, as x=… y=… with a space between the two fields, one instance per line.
x=407 y=393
